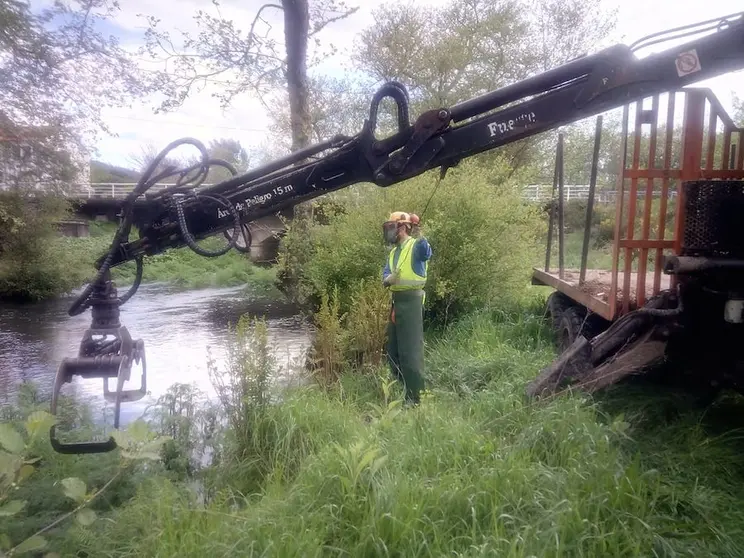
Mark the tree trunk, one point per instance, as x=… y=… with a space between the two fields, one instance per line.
x=296 y=26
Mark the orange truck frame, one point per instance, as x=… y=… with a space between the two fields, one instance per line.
x=588 y=304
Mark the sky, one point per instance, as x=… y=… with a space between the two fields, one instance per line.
x=201 y=116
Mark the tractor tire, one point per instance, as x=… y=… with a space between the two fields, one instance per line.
x=557 y=303
x=570 y=326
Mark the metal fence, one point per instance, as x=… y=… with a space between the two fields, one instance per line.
x=532 y=192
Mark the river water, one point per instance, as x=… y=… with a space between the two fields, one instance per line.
x=177 y=328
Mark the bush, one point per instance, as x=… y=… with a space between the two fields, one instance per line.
x=30 y=267
x=484 y=238
x=355 y=339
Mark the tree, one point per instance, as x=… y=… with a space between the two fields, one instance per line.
x=738 y=114
x=335 y=106
x=565 y=29
x=58 y=72
x=445 y=55
x=469 y=47
x=251 y=62
x=229 y=150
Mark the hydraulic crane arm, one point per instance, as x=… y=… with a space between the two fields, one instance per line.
x=439 y=138
x=180 y=215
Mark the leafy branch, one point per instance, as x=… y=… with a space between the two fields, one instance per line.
x=240 y=62
x=17 y=465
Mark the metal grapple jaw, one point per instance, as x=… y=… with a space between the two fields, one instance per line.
x=106 y=351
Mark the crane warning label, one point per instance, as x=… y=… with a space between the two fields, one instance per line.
x=687 y=63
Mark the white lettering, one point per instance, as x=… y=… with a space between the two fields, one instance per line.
x=244 y=206
x=501 y=128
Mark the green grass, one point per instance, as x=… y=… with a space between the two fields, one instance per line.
x=475 y=471
x=179 y=267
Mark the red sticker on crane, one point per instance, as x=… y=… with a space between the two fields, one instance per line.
x=687 y=63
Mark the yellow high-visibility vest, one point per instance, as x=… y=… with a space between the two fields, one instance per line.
x=407 y=278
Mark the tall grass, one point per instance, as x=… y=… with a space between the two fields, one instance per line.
x=475 y=470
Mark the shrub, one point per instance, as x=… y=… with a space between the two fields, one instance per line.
x=30 y=268
x=355 y=339
x=366 y=322
x=483 y=235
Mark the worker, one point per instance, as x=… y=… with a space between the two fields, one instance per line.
x=405 y=275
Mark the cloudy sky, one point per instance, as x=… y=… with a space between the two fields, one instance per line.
x=202 y=117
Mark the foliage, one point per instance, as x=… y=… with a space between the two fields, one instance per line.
x=243 y=391
x=366 y=322
x=452 y=53
x=336 y=106
x=22 y=457
x=738 y=114
x=189 y=425
x=355 y=339
x=476 y=469
x=30 y=267
x=58 y=73
x=483 y=238
x=329 y=344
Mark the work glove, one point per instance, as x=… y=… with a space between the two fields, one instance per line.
x=390 y=279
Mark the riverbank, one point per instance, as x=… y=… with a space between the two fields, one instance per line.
x=475 y=470
x=181 y=268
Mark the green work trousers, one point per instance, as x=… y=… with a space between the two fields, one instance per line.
x=405 y=341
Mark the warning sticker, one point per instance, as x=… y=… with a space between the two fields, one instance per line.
x=688 y=63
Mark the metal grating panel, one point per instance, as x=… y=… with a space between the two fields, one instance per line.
x=714 y=219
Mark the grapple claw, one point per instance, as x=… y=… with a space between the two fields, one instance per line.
x=106 y=351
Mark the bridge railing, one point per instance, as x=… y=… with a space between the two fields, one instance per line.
x=531 y=192
x=111 y=190
x=544 y=192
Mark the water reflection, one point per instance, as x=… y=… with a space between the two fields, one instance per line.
x=177 y=328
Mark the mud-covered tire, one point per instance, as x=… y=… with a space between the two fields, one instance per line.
x=569 y=327
x=557 y=303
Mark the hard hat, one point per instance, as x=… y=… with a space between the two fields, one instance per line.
x=399 y=217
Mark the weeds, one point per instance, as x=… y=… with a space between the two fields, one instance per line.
x=327 y=354
x=474 y=470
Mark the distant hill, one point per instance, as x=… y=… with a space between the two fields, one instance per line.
x=103 y=172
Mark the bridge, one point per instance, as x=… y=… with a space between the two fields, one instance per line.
x=94 y=202
x=531 y=192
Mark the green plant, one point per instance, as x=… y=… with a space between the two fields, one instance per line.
x=30 y=267
x=328 y=351
x=18 y=459
x=484 y=240
x=366 y=322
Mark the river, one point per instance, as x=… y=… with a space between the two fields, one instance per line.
x=177 y=328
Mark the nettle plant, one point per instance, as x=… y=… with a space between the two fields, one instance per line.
x=19 y=461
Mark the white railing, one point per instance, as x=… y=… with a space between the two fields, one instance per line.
x=532 y=192
x=111 y=190
x=544 y=192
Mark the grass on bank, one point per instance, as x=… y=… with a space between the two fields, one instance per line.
x=178 y=267
x=476 y=470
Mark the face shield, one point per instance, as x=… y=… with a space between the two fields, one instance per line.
x=390 y=232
